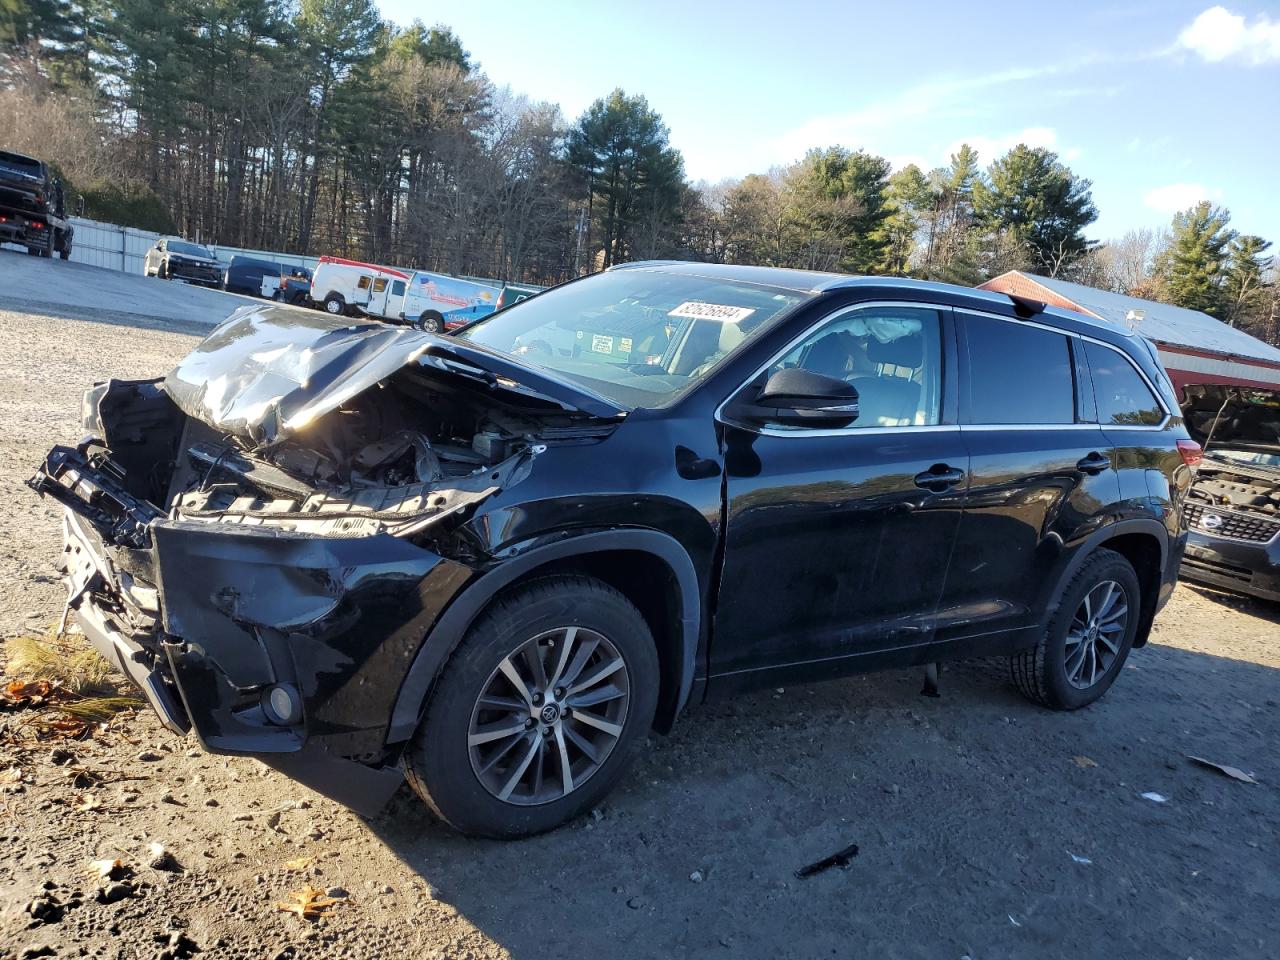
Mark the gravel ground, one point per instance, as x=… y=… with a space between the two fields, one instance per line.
x=979 y=832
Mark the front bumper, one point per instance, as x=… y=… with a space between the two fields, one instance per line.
x=1236 y=565
x=206 y=619
x=194 y=272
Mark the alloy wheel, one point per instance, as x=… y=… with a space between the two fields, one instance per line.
x=1095 y=634
x=549 y=716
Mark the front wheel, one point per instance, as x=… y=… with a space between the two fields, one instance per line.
x=539 y=711
x=1088 y=638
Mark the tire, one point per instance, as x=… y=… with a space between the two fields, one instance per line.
x=431 y=321
x=162 y=271
x=335 y=305
x=445 y=767
x=1067 y=670
x=65 y=252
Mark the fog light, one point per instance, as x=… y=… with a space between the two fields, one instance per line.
x=282 y=705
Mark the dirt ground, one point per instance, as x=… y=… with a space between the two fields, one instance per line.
x=979 y=833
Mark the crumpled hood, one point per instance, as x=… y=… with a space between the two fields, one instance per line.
x=267 y=371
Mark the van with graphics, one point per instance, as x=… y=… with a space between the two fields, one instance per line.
x=435 y=303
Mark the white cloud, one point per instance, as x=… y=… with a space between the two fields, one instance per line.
x=992 y=148
x=1175 y=197
x=883 y=120
x=1217 y=34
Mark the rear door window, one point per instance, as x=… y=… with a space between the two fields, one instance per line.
x=1123 y=397
x=1018 y=374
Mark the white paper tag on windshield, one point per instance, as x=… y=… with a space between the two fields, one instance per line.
x=697 y=310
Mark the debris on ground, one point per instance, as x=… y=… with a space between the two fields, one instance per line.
x=1084 y=762
x=308 y=903
x=1154 y=797
x=1235 y=773
x=1079 y=859
x=841 y=859
x=107 y=869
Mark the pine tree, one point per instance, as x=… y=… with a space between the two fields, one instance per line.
x=633 y=178
x=1030 y=200
x=1244 y=279
x=1191 y=267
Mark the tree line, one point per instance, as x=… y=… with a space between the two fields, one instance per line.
x=315 y=126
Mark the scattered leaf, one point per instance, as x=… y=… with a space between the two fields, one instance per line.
x=11 y=775
x=308 y=903
x=1235 y=773
x=106 y=869
x=89 y=802
x=299 y=864
x=1154 y=797
x=1083 y=762
x=1077 y=859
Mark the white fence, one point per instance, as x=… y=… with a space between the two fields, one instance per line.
x=123 y=248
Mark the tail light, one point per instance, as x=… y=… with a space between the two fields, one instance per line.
x=1191 y=452
x=37 y=225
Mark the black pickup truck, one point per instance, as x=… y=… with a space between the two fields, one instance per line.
x=32 y=208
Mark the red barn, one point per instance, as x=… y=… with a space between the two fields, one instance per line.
x=1193 y=346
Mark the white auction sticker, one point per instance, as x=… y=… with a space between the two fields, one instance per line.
x=601 y=344
x=697 y=310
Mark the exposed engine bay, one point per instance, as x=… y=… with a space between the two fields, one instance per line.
x=392 y=459
x=1239 y=428
x=313 y=427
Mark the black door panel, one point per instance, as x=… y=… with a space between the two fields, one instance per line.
x=1028 y=501
x=832 y=548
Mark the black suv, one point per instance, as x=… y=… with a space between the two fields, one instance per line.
x=362 y=552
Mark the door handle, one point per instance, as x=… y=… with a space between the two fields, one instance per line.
x=939 y=477
x=1094 y=463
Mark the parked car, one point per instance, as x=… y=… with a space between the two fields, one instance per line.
x=374 y=553
x=245 y=274
x=513 y=293
x=172 y=259
x=1233 y=509
x=292 y=285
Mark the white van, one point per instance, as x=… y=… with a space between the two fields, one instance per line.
x=351 y=287
x=438 y=303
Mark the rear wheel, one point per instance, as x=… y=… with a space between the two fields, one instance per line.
x=1088 y=638
x=431 y=321
x=539 y=711
x=335 y=305
x=162 y=271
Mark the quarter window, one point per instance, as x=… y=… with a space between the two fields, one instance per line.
x=362 y=283
x=397 y=288
x=380 y=284
x=1123 y=397
x=891 y=355
x=1018 y=373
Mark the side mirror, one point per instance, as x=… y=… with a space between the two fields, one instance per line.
x=799 y=397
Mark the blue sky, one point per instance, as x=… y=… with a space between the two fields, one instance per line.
x=1159 y=103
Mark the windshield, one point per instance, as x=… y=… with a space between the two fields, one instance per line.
x=189 y=249
x=638 y=337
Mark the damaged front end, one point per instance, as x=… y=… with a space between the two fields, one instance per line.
x=263 y=539
x=1233 y=508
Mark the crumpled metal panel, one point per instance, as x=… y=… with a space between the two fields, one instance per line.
x=267 y=371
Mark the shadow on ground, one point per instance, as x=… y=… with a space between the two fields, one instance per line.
x=987 y=827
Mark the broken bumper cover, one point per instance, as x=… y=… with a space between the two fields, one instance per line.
x=209 y=619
